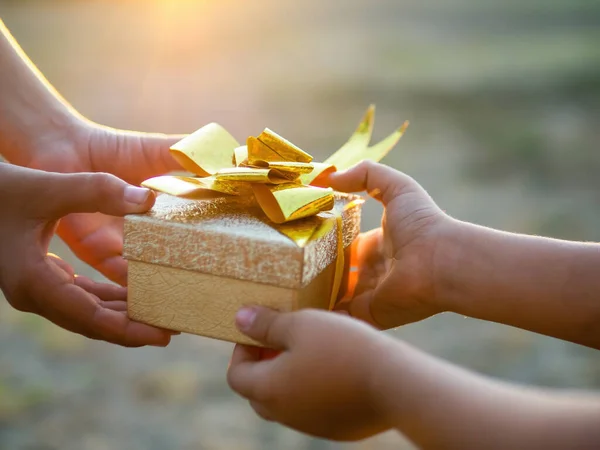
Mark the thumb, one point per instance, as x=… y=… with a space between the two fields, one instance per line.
x=61 y=194
x=380 y=181
x=155 y=147
x=272 y=328
x=147 y=147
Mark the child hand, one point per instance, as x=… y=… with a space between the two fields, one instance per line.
x=396 y=262
x=323 y=381
x=32 y=203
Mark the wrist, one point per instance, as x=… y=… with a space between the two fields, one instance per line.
x=26 y=138
x=454 y=265
x=32 y=111
x=384 y=380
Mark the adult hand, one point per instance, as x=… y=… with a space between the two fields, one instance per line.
x=97 y=239
x=40 y=130
x=33 y=202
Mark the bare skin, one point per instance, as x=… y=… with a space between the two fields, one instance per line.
x=422 y=262
x=34 y=281
x=40 y=130
x=340 y=379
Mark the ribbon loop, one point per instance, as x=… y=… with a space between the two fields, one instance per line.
x=269 y=146
x=205 y=151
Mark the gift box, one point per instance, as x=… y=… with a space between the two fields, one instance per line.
x=254 y=226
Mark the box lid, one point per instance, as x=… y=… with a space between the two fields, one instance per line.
x=231 y=237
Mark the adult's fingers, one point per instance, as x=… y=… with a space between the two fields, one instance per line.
x=66 y=267
x=57 y=195
x=115 y=305
x=272 y=328
x=97 y=240
x=155 y=147
x=77 y=310
x=142 y=155
x=380 y=181
x=104 y=291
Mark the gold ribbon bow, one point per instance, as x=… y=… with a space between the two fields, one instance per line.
x=284 y=179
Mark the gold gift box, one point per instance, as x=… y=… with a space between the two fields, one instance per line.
x=254 y=226
x=194 y=263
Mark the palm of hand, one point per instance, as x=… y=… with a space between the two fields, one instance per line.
x=394 y=264
x=97 y=239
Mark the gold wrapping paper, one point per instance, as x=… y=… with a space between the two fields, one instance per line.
x=231 y=237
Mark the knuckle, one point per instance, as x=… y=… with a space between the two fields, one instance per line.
x=366 y=165
x=103 y=183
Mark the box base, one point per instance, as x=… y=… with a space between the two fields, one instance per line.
x=204 y=304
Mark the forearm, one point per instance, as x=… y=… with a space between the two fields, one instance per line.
x=438 y=405
x=27 y=102
x=539 y=284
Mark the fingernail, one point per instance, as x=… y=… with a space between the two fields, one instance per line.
x=245 y=317
x=137 y=195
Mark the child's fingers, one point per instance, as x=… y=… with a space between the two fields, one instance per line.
x=262 y=411
x=381 y=182
x=268 y=353
x=359 y=308
x=265 y=325
x=247 y=375
x=245 y=353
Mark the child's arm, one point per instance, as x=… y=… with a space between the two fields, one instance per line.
x=430 y=263
x=438 y=405
x=539 y=284
x=339 y=379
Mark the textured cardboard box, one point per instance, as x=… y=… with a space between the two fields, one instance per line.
x=194 y=263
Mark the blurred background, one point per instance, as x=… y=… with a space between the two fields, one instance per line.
x=504 y=102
